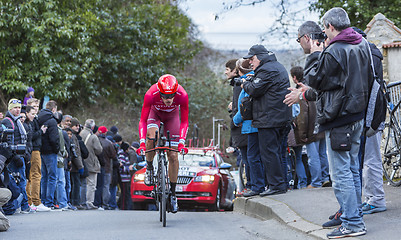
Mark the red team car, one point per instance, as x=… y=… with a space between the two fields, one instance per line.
x=204 y=180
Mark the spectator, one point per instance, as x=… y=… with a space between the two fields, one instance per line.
x=78 y=173
x=135 y=146
x=66 y=122
x=256 y=171
x=124 y=201
x=30 y=94
x=115 y=178
x=270 y=115
x=113 y=131
x=305 y=122
x=238 y=140
x=108 y=154
x=33 y=186
x=372 y=163
x=341 y=78
x=12 y=121
x=49 y=150
x=95 y=148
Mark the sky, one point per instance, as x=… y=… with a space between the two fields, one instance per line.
x=240 y=28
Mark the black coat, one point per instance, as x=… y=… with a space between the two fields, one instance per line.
x=50 y=139
x=36 y=134
x=341 y=78
x=268 y=88
x=237 y=138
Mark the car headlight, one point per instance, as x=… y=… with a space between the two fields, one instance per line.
x=139 y=177
x=204 y=178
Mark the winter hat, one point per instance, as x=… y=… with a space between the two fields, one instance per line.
x=74 y=122
x=117 y=138
x=114 y=129
x=14 y=103
x=359 y=31
x=135 y=145
x=30 y=89
x=102 y=129
x=124 y=146
x=256 y=50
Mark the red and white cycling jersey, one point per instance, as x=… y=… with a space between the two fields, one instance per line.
x=153 y=103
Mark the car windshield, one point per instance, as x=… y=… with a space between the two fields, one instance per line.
x=193 y=160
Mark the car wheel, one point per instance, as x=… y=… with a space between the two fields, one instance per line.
x=216 y=205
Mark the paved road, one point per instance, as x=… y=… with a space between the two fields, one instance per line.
x=125 y=225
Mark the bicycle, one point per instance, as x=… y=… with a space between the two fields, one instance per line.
x=392 y=136
x=161 y=189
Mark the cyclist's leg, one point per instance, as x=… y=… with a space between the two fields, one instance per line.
x=153 y=124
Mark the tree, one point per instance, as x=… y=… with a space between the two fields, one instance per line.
x=85 y=49
x=361 y=12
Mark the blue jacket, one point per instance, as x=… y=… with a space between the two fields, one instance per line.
x=237 y=119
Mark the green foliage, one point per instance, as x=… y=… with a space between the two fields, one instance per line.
x=85 y=49
x=361 y=12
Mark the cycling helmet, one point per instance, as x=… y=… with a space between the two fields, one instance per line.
x=167 y=85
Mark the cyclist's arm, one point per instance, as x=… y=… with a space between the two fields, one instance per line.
x=147 y=104
x=184 y=118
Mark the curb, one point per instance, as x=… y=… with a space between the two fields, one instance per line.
x=265 y=208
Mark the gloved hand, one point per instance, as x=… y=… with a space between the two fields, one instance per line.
x=141 y=150
x=81 y=171
x=6 y=152
x=182 y=149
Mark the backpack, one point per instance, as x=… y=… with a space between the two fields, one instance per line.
x=377 y=106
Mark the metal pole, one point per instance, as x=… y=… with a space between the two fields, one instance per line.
x=213 y=130
x=218 y=135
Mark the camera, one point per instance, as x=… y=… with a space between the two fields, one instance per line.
x=237 y=81
x=17 y=177
x=73 y=151
x=6 y=136
x=320 y=36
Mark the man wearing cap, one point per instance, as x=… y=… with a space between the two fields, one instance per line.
x=271 y=116
x=17 y=165
x=106 y=157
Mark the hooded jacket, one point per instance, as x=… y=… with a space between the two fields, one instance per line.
x=268 y=88
x=50 y=139
x=94 y=147
x=341 y=78
x=238 y=139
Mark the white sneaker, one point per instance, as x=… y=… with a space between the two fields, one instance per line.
x=33 y=207
x=42 y=208
x=100 y=209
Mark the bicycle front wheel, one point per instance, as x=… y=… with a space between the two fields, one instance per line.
x=391 y=155
x=164 y=193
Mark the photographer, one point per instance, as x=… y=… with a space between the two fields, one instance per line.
x=18 y=143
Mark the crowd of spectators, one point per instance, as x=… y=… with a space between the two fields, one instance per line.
x=62 y=165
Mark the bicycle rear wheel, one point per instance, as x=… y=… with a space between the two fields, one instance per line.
x=392 y=154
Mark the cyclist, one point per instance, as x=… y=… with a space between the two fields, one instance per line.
x=163 y=102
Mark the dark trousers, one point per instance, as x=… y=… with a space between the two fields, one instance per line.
x=244 y=157
x=75 y=188
x=125 y=202
x=270 y=140
x=255 y=164
x=99 y=189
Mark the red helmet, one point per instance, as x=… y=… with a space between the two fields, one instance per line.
x=167 y=84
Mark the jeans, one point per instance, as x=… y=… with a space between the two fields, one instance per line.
x=99 y=189
x=270 y=140
x=75 y=188
x=283 y=156
x=82 y=199
x=300 y=168
x=125 y=201
x=113 y=196
x=48 y=181
x=60 y=188
x=255 y=164
x=373 y=172
x=318 y=163
x=344 y=172
x=106 y=188
x=22 y=184
x=67 y=175
x=33 y=186
x=244 y=157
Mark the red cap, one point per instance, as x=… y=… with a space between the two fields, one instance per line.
x=102 y=129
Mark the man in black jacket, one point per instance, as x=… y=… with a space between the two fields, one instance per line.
x=341 y=78
x=270 y=115
x=49 y=149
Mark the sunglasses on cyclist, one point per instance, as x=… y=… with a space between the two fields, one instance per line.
x=167 y=96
